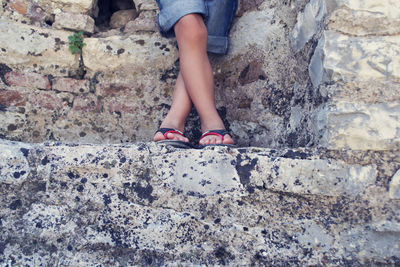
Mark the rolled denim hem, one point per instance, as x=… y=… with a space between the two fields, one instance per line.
x=217 y=44
x=170 y=15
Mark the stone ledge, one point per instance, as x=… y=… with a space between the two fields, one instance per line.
x=143 y=204
x=192 y=172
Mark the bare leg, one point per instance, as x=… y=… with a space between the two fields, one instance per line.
x=176 y=117
x=191 y=35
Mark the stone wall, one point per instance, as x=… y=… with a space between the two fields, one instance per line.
x=356 y=66
x=317 y=74
x=121 y=87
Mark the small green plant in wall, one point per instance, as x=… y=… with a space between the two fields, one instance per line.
x=76 y=43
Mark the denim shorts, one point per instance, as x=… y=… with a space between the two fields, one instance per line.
x=218 y=16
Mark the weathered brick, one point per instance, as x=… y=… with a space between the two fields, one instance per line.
x=87 y=103
x=47 y=100
x=71 y=85
x=12 y=98
x=122 y=106
x=27 y=79
x=112 y=89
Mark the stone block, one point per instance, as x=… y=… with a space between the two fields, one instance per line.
x=316 y=176
x=142 y=5
x=355 y=18
x=114 y=89
x=196 y=176
x=30 y=48
x=87 y=103
x=28 y=80
x=347 y=125
x=28 y=10
x=122 y=17
x=343 y=57
x=366 y=19
x=141 y=24
x=70 y=6
x=128 y=56
x=12 y=98
x=75 y=22
x=123 y=106
x=71 y=85
x=185 y=206
x=47 y=100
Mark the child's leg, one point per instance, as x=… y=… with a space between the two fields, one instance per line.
x=191 y=35
x=176 y=117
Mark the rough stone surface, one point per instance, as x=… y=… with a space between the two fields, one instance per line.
x=27 y=79
x=73 y=6
x=24 y=47
x=342 y=57
x=152 y=205
x=122 y=17
x=360 y=126
x=128 y=56
x=319 y=74
x=75 y=22
x=141 y=24
x=71 y=85
x=394 y=190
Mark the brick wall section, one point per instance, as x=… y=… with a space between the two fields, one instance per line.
x=71 y=85
x=87 y=103
x=47 y=100
x=14 y=98
x=113 y=89
x=27 y=79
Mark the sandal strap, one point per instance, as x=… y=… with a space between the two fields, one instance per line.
x=220 y=133
x=166 y=131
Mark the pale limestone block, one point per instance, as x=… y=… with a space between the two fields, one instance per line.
x=315 y=176
x=387 y=8
x=359 y=126
x=342 y=57
x=361 y=22
x=203 y=174
x=359 y=18
x=75 y=22
x=394 y=188
x=142 y=5
x=32 y=48
x=128 y=55
x=74 y=6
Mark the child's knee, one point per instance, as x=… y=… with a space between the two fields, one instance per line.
x=191 y=28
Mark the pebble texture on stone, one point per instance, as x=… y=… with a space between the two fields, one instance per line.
x=151 y=205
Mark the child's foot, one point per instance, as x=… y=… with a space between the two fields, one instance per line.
x=216 y=137
x=169 y=134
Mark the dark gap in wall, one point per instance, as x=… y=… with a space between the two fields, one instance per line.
x=107 y=8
